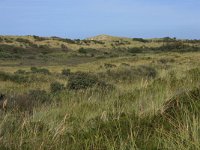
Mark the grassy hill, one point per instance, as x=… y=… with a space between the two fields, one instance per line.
x=103 y=92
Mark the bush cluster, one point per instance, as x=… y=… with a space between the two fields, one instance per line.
x=13 y=77
x=81 y=80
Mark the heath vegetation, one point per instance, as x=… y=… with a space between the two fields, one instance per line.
x=115 y=93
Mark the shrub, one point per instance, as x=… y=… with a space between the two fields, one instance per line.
x=37 y=38
x=82 y=51
x=21 y=40
x=43 y=47
x=66 y=72
x=13 y=77
x=130 y=73
x=135 y=50
x=140 y=40
x=19 y=78
x=20 y=71
x=81 y=80
x=56 y=87
x=8 y=40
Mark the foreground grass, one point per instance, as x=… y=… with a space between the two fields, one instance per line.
x=135 y=115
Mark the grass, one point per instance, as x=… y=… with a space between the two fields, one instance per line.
x=141 y=112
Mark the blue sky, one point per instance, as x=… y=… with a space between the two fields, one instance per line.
x=85 y=18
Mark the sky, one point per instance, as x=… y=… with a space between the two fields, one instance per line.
x=86 y=18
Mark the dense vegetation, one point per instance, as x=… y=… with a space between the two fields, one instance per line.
x=99 y=94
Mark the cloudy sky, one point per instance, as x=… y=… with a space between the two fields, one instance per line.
x=86 y=18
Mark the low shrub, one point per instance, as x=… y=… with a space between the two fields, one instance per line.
x=56 y=87
x=22 y=40
x=20 y=71
x=81 y=80
x=40 y=70
x=140 y=40
x=129 y=73
x=13 y=77
x=82 y=51
x=37 y=38
x=135 y=50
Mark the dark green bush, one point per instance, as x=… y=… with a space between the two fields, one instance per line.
x=66 y=72
x=135 y=50
x=140 y=40
x=56 y=87
x=81 y=80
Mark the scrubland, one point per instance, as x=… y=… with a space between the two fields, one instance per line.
x=100 y=93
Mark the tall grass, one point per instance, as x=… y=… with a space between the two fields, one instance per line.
x=134 y=115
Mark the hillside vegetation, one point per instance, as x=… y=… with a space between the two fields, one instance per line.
x=103 y=92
